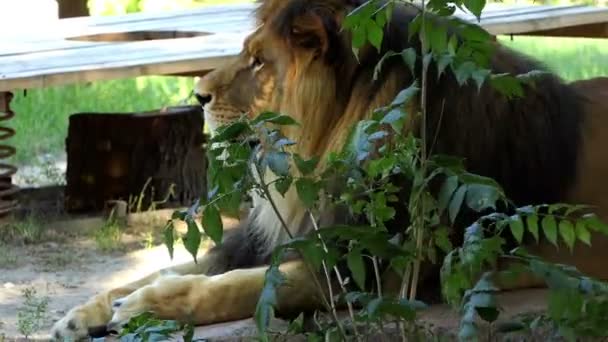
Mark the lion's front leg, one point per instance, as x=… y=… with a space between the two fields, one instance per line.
x=92 y=317
x=201 y=299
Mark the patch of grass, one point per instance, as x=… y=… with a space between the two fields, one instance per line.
x=42 y=115
x=571 y=58
x=8 y=260
x=33 y=313
x=27 y=231
x=57 y=260
x=108 y=238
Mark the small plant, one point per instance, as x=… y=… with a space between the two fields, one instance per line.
x=27 y=231
x=145 y=327
x=135 y=203
x=32 y=315
x=7 y=259
x=149 y=240
x=108 y=238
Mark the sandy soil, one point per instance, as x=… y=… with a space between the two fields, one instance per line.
x=68 y=269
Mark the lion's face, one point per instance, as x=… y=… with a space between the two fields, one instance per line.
x=289 y=60
x=243 y=87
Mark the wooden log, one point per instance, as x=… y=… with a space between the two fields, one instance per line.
x=133 y=157
x=73 y=8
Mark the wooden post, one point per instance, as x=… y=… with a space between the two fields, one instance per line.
x=73 y=8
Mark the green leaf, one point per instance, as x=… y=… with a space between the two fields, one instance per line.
x=230 y=132
x=456 y=202
x=308 y=191
x=192 y=238
x=267 y=301
x=550 y=228
x=441 y=236
x=464 y=71
x=594 y=223
x=409 y=57
x=582 y=233
x=405 y=95
x=517 y=228
x=443 y=61
x=507 y=85
x=566 y=230
x=278 y=162
x=282 y=185
x=436 y=36
x=212 y=224
x=283 y=120
x=359 y=37
x=445 y=193
x=169 y=237
x=481 y=197
x=475 y=6
x=354 y=259
x=374 y=34
x=306 y=167
x=532 y=222
x=479 y=76
x=275 y=118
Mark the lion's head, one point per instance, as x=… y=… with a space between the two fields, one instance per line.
x=298 y=62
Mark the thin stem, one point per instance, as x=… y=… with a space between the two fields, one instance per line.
x=266 y=191
x=328 y=304
x=377 y=274
x=338 y=276
x=419 y=227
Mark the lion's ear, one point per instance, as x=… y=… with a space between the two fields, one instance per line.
x=314 y=29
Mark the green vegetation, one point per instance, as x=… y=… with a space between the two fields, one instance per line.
x=559 y=53
x=377 y=153
x=108 y=237
x=32 y=315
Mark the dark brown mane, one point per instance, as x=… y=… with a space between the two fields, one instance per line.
x=529 y=144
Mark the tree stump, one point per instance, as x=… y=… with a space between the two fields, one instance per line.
x=136 y=157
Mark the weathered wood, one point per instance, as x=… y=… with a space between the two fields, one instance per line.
x=598 y=30
x=73 y=8
x=87 y=49
x=122 y=156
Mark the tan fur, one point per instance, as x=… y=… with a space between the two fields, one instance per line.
x=292 y=81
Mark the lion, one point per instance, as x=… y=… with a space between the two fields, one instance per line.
x=544 y=147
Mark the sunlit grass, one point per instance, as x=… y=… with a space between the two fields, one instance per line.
x=573 y=59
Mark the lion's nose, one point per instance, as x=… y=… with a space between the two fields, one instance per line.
x=203 y=99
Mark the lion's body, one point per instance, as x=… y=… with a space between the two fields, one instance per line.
x=544 y=147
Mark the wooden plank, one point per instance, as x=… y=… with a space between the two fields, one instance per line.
x=599 y=30
x=121 y=61
x=545 y=20
x=50 y=58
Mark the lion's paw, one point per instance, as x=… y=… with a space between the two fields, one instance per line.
x=76 y=326
x=125 y=308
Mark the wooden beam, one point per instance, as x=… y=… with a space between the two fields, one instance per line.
x=73 y=8
x=598 y=30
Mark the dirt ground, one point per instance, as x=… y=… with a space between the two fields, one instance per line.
x=67 y=266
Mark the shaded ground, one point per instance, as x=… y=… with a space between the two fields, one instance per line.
x=70 y=267
x=66 y=265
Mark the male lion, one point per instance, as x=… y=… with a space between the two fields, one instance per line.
x=543 y=148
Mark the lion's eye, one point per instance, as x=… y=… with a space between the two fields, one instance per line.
x=256 y=63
